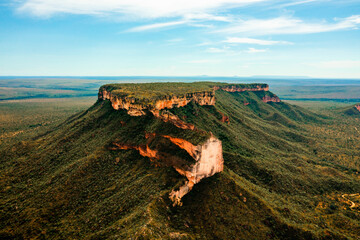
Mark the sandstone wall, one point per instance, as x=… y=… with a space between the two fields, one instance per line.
x=135 y=108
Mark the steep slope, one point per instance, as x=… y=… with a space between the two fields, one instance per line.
x=352 y=111
x=107 y=173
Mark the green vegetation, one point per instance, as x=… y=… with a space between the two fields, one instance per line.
x=24 y=119
x=286 y=169
x=148 y=93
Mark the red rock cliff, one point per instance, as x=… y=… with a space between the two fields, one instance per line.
x=138 y=107
x=274 y=98
x=208 y=160
x=134 y=108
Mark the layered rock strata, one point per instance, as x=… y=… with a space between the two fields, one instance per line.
x=139 y=107
x=135 y=107
x=208 y=160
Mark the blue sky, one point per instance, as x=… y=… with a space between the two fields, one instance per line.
x=316 y=38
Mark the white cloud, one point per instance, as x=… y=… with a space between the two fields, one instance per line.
x=156 y=26
x=254 y=50
x=203 y=61
x=297 y=3
x=236 y=40
x=134 y=8
x=217 y=50
x=337 y=64
x=208 y=17
x=287 y=25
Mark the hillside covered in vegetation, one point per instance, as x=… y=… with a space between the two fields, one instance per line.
x=288 y=173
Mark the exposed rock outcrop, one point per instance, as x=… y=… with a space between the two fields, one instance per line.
x=224 y=118
x=274 y=98
x=167 y=116
x=357 y=106
x=208 y=160
x=236 y=88
x=138 y=107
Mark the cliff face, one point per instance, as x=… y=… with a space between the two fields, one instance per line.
x=236 y=88
x=138 y=107
x=134 y=108
x=208 y=160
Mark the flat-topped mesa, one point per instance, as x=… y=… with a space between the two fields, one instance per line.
x=193 y=159
x=151 y=100
x=137 y=99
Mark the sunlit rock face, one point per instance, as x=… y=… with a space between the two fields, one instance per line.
x=357 y=107
x=135 y=109
x=208 y=160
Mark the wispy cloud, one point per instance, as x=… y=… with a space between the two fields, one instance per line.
x=236 y=40
x=254 y=50
x=288 y=25
x=155 y=26
x=294 y=3
x=208 y=17
x=217 y=50
x=135 y=8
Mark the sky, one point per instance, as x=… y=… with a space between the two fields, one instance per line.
x=314 y=38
